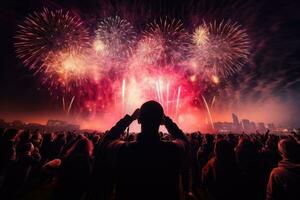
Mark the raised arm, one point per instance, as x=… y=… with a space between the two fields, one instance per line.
x=116 y=131
x=174 y=130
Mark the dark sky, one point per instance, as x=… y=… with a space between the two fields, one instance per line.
x=274 y=29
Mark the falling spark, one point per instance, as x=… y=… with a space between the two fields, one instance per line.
x=64 y=105
x=208 y=112
x=178 y=99
x=167 y=101
x=158 y=91
x=123 y=94
x=71 y=103
x=160 y=86
x=213 y=102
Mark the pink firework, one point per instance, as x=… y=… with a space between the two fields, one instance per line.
x=173 y=38
x=219 y=48
x=46 y=31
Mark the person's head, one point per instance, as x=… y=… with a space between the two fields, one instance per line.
x=224 y=150
x=26 y=149
x=209 y=139
x=10 y=134
x=37 y=139
x=151 y=115
x=60 y=138
x=245 y=146
x=82 y=147
x=289 y=149
x=25 y=136
x=246 y=153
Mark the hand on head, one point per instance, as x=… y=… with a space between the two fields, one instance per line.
x=151 y=114
x=135 y=115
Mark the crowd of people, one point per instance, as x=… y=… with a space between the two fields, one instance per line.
x=117 y=165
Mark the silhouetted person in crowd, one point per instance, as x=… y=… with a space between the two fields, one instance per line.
x=7 y=148
x=147 y=168
x=205 y=152
x=253 y=177
x=37 y=140
x=23 y=138
x=75 y=170
x=220 y=174
x=57 y=146
x=284 y=181
x=18 y=172
x=46 y=147
x=269 y=153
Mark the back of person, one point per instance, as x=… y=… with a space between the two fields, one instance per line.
x=73 y=177
x=148 y=168
x=19 y=172
x=284 y=180
x=253 y=176
x=74 y=174
x=149 y=171
x=220 y=174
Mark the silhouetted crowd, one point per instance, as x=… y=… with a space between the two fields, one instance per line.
x=149 y=165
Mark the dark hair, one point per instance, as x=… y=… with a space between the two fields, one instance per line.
x=151 y=113
x=25 y=148
x=10 y=133
x=83 y=147
x=289 y=149
x=223 y=149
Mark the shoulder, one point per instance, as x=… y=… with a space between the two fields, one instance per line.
x=277 y=174
x=210 y=163
x=169 y=145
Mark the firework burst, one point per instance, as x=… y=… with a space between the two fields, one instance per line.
x=220 y=49
x=65 y=67
x=46 y=31
x=148 y=52
x=200 y=36
x=114 y=38
x=173 y=37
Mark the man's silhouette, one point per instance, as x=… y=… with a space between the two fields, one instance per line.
x=147 y=168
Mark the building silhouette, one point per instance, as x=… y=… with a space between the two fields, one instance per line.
x=261 y=127
x=236 y=126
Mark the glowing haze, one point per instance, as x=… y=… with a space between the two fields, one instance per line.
x=97 y=73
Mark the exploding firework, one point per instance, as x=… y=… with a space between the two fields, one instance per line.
x=220 y=49
x=200 y=36
x=148 y=52
x=63 y=68
x=114 y=38
x=172 y=37
x=46 y=31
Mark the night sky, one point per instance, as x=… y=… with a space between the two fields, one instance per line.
x=273 y=71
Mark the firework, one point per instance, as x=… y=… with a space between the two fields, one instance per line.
x=172 y=37
x=220 y=49
x=114 y=38
x=200 y=36
x=46 y=31
x=148 y=52
x=66 y=69
x=215 y=79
